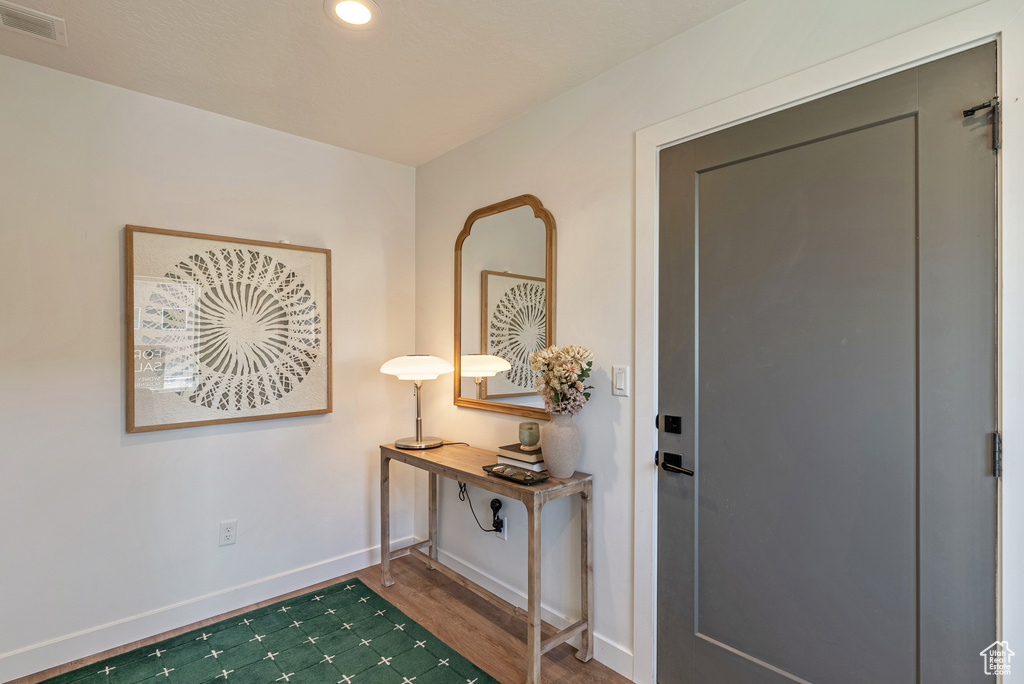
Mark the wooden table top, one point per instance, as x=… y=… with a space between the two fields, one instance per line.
x=465 y=463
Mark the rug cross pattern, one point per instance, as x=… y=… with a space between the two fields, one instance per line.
x=344 y=634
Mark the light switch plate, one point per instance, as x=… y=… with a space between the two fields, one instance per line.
x=620 y=381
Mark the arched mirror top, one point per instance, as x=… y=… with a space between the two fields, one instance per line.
x=504 y=303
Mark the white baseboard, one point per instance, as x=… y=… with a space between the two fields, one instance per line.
x=607 y=652
x=65 y=649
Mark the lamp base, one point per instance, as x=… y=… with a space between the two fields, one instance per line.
x=413 y=443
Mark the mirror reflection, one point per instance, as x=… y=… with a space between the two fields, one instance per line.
x=504 y=305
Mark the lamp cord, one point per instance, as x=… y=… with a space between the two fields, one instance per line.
x=464 y=496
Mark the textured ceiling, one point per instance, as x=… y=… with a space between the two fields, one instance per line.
x=433 y=75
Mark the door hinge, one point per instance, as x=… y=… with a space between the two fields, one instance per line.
x=997 y=454
x=656 y=458
x=992 y=104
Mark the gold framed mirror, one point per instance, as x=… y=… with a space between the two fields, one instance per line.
x=504 y=304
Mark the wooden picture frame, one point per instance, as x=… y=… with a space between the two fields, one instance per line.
x=224 y=330
x=509 y=301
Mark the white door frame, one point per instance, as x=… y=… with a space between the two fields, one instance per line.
x=999 y=19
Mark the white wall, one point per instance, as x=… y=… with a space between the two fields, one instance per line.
x=110 y=537
x=576 y=153
x=1012 y=331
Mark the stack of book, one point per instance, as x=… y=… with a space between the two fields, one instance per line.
x=515 y=455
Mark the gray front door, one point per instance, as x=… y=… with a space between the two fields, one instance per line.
x=827 y=372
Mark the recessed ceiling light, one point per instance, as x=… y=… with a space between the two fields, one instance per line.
x=353 y=14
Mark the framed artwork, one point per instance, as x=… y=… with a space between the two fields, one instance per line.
x=513 y=324
x=224 y=330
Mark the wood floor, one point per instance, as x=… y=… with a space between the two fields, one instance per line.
x=488 y=637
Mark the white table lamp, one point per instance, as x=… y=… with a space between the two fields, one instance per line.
x=417 y=367
x=480 y=366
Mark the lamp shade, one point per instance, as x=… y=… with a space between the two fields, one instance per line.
x=417 y=367
x=482 y=365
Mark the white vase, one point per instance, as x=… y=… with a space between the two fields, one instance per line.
x=560 y=443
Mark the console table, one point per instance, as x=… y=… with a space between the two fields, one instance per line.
x=464 y=464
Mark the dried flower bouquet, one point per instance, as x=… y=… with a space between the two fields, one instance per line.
x=562 y=374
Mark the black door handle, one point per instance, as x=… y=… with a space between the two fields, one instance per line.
x=677 y=469
x=673 y=463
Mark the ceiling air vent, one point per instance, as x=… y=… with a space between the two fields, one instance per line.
x=25 y=20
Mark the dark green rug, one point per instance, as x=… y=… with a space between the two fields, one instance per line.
x=344 y=634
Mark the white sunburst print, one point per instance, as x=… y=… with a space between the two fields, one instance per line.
x=517 y=329
x=257 y=330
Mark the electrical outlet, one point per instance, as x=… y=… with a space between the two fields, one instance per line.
x=503 y=535
x=228 y=530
